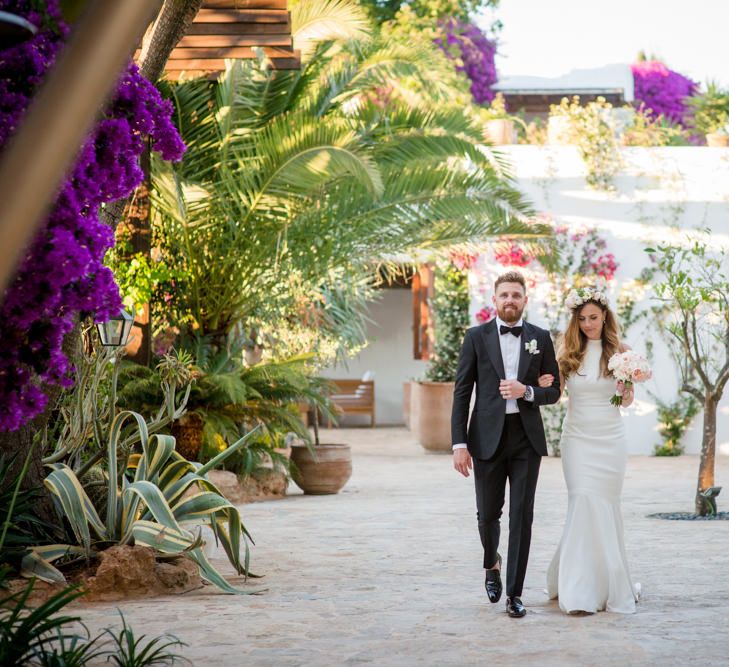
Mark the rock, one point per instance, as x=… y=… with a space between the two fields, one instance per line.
x=133 y=572
x=179 y=575
x=267 y=485
x=227 y=483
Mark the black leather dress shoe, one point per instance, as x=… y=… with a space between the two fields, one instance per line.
x=493 y=583
x=515 y=608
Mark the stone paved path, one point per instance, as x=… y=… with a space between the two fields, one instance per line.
x=388 y=573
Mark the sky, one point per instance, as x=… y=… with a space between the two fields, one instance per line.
x=551 y=37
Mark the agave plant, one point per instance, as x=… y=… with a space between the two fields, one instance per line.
x=150 y=509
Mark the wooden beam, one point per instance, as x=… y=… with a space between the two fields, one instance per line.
x=241 y=28
x=216 y=53
x=40 y=153
x=229 y=41
x=213 y=71
x=221 y=16
x=237 y=5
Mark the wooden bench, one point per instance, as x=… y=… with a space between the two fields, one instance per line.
x=354 y=397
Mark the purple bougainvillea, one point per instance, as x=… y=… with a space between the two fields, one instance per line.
x=62 y=276
x=477 y=52
x=662 y=90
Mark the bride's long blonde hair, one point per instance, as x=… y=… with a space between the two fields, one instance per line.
x=573 y=345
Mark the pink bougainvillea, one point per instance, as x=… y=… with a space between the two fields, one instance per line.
x=486 y=314
x=605 y=266
x=462 y=260
x=514 y=255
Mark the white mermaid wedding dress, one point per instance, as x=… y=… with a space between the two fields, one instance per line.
x=590 y=572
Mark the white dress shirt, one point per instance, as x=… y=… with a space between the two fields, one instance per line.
x=510 y=352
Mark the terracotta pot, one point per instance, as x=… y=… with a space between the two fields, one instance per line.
x=435 y=402
x=500 y=131
x=188 y=432
x=406 y=394
x=716 y=140
x=327 y=471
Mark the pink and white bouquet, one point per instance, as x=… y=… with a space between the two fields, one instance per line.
x=628 y=367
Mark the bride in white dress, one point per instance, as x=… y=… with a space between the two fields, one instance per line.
x=589 y=571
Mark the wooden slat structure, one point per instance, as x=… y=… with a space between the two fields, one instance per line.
x=233 y=29
x=423 y=290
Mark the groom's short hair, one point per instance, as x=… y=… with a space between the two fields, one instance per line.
x=510 y=277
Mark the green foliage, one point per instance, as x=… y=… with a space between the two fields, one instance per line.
x=41 y=635
x=433 y=10
x=673 y=420
x=138 y=276
x=710 y=110
x=146 y=505
x=21 y=527
x=553 y=417
x=295 y=185
x=132 y=651
x=28 y=635
x=646 y=130
x=231 y=397
x=692 y=286
x=693 y=289
x=79 y=428
x=591 y=129
x=449 y=307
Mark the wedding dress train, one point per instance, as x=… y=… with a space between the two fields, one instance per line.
x=589 y=571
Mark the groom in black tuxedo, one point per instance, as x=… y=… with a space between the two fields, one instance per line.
x=505 y=436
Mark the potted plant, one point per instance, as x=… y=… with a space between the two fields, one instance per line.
x=499 y=124
x=322 y=468
x=710 y=115
x=434 y=395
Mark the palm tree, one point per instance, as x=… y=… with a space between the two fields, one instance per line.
x=296 y=181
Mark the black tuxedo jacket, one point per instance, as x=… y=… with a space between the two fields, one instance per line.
x=481 y=363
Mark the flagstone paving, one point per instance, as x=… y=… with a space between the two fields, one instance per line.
x=388 y=573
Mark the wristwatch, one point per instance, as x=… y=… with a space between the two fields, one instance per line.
x=528 y=393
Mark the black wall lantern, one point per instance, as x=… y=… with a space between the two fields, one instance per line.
x=115 y=331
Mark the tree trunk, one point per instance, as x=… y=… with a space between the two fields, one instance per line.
x=173 y=21
x=708 y=452
x=18 y=443
x=135 y=229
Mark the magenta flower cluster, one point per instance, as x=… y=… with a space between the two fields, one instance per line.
x=514 y=255
x=477 y=52
x=62 y=277
x=486 y=314
x=662 y=90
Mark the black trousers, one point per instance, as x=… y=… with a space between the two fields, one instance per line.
x=516 y=460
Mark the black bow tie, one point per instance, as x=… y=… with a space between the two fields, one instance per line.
x=515 y=331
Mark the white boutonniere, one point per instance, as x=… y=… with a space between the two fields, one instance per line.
x=531 y=346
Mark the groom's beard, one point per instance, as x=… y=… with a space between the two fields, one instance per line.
x=509 y=315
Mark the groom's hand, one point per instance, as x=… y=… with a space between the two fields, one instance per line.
x=462 y=461
x=511 y=389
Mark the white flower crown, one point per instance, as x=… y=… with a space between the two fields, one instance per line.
x=582 y=295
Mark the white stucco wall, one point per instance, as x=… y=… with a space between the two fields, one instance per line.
x=661 y=193
x=389 y=355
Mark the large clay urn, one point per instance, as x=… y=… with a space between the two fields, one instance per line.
x=323 y=469
x=717 y=140
x=434 y=404
x=500 y=131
